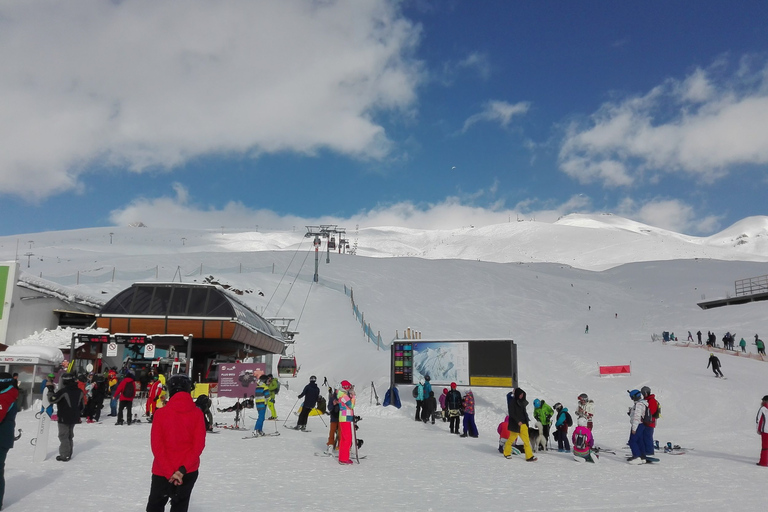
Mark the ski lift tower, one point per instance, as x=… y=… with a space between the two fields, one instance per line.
x=322 y=231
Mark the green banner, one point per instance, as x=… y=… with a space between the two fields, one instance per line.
x=3 y=285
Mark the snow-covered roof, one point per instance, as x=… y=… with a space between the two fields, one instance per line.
x=44 y=354
x=58 y=291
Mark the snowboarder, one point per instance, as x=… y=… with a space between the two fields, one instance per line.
x=518 y=424
x=586 y=409
x=542 y=412
x=178 y=440
x=583 y=442
x=470 y=429
x=69 y=401
x=714 y=361
x=310 y=394
x=346 y=400
x=453 y=402
x=650 y=419
x=261 y=395
x=8 y=409
x=762 y=430
x=561 y=428
x=636 y=414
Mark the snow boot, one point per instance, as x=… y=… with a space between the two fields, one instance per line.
x=635 y=461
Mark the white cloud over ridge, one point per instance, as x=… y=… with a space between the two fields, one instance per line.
x=153 y=83
x=700 y=127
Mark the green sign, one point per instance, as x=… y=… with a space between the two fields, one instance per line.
x=3 y=285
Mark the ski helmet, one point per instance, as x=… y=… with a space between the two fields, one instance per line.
x=536 y=403
x=427 y=378
x=69 y=379
x=313 y=379
x=558 y=406
x=583 y=397
x=635 y=395
x=645 y=390
x=178 y=382
x=5 y=378
x=582 y=422
x=765 y=398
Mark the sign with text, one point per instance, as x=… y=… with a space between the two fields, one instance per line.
x=238 y=380
x=111 y=349
x=149 y=351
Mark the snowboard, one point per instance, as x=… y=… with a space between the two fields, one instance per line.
x=40 y=441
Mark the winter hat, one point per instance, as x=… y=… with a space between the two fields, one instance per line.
x=453 y=385
x=635 y=394
x=427 y=378
x=345 y=384
x=445 y=391
x=51 y=376
x=537 y=403
x=312 y=379
x=582 y=422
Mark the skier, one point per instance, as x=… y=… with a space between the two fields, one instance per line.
x=333 y=411
x=636 y=414
x=69 y=401
x=649 y=421
x=470 y=429
x=273 y=385
x=346 y=399
x=698 y=335
x=583 y=442
x=542 y=412
x=715 y=363
x=178 y=440
x=419 y=398
x=743 y=345
x=586 y=329
x=518 y=424
x=124 y=394
x=310 y=394
x=586 y=409
x=8 y=409
x=762 y=430
x=261 y=395
x=453 y=402
x=561 y=428
x=690 y=336
x=760 y=345
x=428 y=408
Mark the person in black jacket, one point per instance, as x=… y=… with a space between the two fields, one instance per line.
x=8 y=408
x=518 y=424
x=453 y=403
x=69 y=401
x=96 y=401
x=310 y=394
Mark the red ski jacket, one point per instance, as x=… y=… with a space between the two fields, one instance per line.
x=178 y=436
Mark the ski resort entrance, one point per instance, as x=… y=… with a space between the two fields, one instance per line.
x=478 y=363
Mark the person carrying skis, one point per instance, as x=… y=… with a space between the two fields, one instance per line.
x=310 y=394
x=518 y=424
x=8 y=409
x=453 y=402
x=69 y=401
x=636 y=414
x=561 y=428
x=419 y=398
x=650 y=420
x=762 y=431
x=714 y=361
x=177 y=440
x=583 y=442
x=346 y=400
x=470 y=429
x=260 y=397
x=586 y=409
x=542 y=413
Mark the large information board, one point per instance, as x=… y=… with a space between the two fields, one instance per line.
x=491 y=363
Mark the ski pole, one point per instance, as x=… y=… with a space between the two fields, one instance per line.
x=321 y=417
x=289 y=413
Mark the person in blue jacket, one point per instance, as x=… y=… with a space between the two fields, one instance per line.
x=561 y=428
x=310 y=394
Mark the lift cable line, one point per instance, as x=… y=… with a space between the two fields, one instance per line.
x=292 y=283
x=284 y=273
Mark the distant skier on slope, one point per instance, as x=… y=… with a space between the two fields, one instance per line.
x=714 y=362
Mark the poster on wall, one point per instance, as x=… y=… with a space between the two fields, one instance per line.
x=238 y=380
x=443 y=362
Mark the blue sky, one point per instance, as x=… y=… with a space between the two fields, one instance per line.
x=425 y=114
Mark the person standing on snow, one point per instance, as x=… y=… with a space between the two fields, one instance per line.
x=586 y=409
x=583 y=442
x=518 y=424
x=714 y=361
x=453 y=402
x=333 y=429
x=69 y=401
x=428 y=408
x=273 y=386
x=636 y=414
x=470 y=429
x=561 y=428
x=419 y=398
x=125 y=393
x=443 y=407
x=542 y=413
x=650 y=420
x=762 y=430
x=8 y=409
x=153 y=395
x=310 y=394
x=743 y=345
x=260 y=397
x=178 y=440
x=698 y=335
x=760 y=345
x=346 y=399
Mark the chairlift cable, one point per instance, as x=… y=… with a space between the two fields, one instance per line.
x=294 y=282
x=305 y=304
x=284 y=273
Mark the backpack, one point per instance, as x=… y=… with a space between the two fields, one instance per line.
x=129 y=391
x=657 y=414
x=277 y=389
x=568 y=419
x=647 y=419
x=415 y=391
x=580 y=441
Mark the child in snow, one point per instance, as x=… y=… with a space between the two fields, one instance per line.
x=470 y=429
x=561 y=428
x=428 y=408
x=583 y=443
x=503 y=430
x=586 y=409
x=443 y=407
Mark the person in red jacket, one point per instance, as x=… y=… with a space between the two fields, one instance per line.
x=178 y=440
x=650 y=426
x=8 y=408
x=125 y=393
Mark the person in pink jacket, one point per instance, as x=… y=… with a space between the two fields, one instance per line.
x=583 y=442
x=762 y=429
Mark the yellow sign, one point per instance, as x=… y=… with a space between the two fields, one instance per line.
x=493 y=382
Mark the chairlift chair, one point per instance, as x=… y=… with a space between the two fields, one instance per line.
x=286 y=367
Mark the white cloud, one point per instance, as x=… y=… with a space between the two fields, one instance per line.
x=153 y=83
x=701 y=127
x=671 y=214
x=498 y=111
